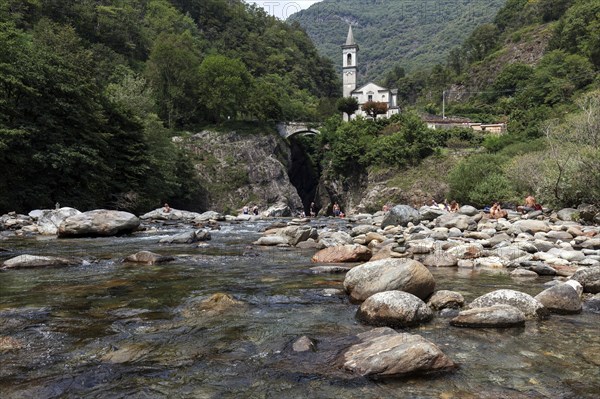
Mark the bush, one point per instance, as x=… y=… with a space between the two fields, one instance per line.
x=480 y=179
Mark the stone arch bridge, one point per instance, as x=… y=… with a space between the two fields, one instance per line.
x=289 y=129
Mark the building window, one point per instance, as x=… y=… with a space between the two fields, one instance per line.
x=349 y=60
x=370 y=97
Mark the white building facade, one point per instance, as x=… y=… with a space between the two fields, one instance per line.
x=367 y=92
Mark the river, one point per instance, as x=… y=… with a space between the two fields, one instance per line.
x=108 y=329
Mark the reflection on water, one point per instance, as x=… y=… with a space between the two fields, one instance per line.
x=109 y=329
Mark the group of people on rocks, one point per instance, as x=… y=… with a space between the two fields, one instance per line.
x=495 y=211
x=246 y=210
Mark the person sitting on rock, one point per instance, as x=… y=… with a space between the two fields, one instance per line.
x=255 y=210
x=336 y=209
x=454 y=207
x=245 y=210
x=530 y=205
x=496 y=211
x=166 y=208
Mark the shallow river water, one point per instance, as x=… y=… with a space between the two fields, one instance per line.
x=108 y=329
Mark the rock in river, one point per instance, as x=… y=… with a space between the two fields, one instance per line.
x=31 y=261
x=491 y=316
x=344 y=253
x=394 y=309
x=388 y=275
x=394 y=355
x=101 y=222
x=562 y=299
x=531 y=307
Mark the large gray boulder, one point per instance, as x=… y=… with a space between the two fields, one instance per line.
x=531 y=307
x=172 y=214
x=388 y=275
x=394 y=354
x=494 y=316
x=101 y=222
x=49 y=220
x=532 y=226
x=567 y=214
x=401 y=215
x=589 y=278
x=296 y=234
x=440 y=259
x=461 y=222
x=430 y=212
x=468 y=210
x=562 y=299
x=33 y=261
x=396 y=309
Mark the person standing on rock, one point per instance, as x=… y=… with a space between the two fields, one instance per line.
x=313 y=210
x=336 y=209
x=255 y=210
x=245 y=210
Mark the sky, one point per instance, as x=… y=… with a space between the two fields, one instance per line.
x=283 y=8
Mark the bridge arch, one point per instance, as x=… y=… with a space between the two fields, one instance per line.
x=289 y=129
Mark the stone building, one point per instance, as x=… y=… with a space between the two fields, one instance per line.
x=367 y=92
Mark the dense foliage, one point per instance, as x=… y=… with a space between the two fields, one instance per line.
x=413 y=33
x=532 y=66
x=92 y=91
x=351 y=148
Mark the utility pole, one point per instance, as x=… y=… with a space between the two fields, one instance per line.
x=444 y=104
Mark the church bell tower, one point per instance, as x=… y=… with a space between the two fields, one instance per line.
x=349 y=64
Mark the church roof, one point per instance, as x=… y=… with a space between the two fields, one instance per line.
x=350 y=39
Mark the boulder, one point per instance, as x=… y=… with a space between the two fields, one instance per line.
x=214 y=305
x=444 y=299
x=297 y=234
x=562 y=299
x=272 y=240
x=532 y=226
x=430 y=212
x=588 y=212
x=394 y=355
x=49 y=220
x=592 y=304
x=147 y=257
x=524 y=273
x=540 y=268
x=363 y=229
x=589 y=278
x=187 y=237
x=332 y=239
x=527 y=304
x=510 y=252
x=344 y=253
x=401 y=215
x=388 y=275
x=304 y=344
x=455 y=220
x=440 y=259
x=100 y=222
x=495 y=316
x=567 y=214
x=33 y=261
x=397 y=309
x=329 y=269
x=466 y=251
x=278 y=210
x=209 y=215
x=173 y=214
x=468 y=210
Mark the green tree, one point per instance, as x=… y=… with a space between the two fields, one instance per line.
x=224 y=84
x=172 y=71
x=348 y=105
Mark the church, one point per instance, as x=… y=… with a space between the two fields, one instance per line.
x=367 y=92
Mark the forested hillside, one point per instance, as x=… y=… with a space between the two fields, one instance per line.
x=91 y=92
x=413 y=33
x=537 y=67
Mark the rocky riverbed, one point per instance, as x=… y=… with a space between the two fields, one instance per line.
x=432 y=303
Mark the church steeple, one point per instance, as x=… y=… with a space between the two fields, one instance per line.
x=349 y=64
x=350 y=39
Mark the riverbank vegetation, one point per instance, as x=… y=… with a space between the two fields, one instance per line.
x=91 y=93
x=536 y=68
